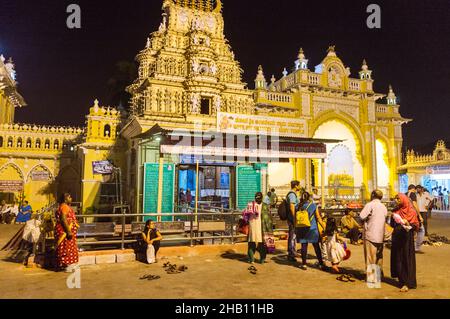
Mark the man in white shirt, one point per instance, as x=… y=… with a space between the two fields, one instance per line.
x=424 y=201
x=374 y=216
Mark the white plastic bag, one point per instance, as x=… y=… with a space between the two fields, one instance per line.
x=32 y=231
x=151 y=258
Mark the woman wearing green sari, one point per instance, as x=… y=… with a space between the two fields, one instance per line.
x=259 y=219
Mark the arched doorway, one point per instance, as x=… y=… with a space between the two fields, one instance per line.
x=40 y=184
x=342 y=166
x=11 y=183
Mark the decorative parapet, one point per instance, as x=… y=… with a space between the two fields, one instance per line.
x=387 y=112
x=65 y=130
x=29 y=137
x=274 y=98
x=440 y=154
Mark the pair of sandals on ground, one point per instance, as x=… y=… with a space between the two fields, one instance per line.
x=173 y=269
x=170 y=269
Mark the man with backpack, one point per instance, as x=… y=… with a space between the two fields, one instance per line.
x=286 y=211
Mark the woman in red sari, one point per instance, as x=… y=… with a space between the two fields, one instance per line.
x=66 y=235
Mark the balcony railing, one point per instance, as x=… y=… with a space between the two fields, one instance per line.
x=314 y=79
x=355 y=85
x=279 y=97
x=382 y=108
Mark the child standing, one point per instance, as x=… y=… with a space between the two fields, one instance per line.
x=152 y=240
x=335 y=251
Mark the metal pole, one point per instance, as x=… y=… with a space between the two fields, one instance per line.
x=160 y=187
x=197 y=188
x=117 y=185
x=232 y=228
x=123 y=228
x=322 y=177
x=192 y=229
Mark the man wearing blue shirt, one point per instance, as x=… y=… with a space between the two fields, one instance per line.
x=292 y=201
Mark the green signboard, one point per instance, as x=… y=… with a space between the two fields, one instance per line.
x=151 y=180
x=248 y=184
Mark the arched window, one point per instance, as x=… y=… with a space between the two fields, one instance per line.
x=56 y=144
x=1 y=141
x=38 y=143
x=107 y=131
x=19 y=142
x=28 y=143
x=10 y=142
x=47 y=144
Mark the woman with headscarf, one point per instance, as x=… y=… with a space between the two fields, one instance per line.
x=403 y=256
x=259 y=220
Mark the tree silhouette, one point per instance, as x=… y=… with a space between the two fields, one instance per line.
x=125 y=73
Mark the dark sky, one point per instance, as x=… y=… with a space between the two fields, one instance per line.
x=62 y=71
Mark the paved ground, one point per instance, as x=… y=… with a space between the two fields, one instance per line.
x=224 y=277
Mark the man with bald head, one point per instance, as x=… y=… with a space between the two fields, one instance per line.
x=374 y=216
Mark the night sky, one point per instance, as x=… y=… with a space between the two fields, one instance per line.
x=62 y=71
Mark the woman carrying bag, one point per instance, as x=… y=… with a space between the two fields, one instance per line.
x=309 y=226
x=260 y=227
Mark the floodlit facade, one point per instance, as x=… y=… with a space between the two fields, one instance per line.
x=189 y=79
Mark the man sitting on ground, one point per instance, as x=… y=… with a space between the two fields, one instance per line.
x=351 y=228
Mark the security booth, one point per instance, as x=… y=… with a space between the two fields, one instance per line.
x=221 y=171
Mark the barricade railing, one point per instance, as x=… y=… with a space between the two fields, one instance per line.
x=441 y=204
x=230 y=218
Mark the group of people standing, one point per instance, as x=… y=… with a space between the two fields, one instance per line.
x=406 y=222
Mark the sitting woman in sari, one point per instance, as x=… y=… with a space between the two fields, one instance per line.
x=151 y=242
x=24 y=213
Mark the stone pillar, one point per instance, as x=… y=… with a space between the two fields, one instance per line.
x=369 y=162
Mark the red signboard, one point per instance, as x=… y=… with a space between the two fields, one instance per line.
x=11 y=186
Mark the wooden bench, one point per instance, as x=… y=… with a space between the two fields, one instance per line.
x=96 y=230
x=165 y=228
x=211 y=227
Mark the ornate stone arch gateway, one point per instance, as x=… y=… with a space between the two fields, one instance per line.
x=340 y=125
x=346 y=120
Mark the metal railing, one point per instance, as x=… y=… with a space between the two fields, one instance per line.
x=442 y=204
x=230 y=218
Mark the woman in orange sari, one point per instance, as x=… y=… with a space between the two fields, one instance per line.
x=66 y=235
